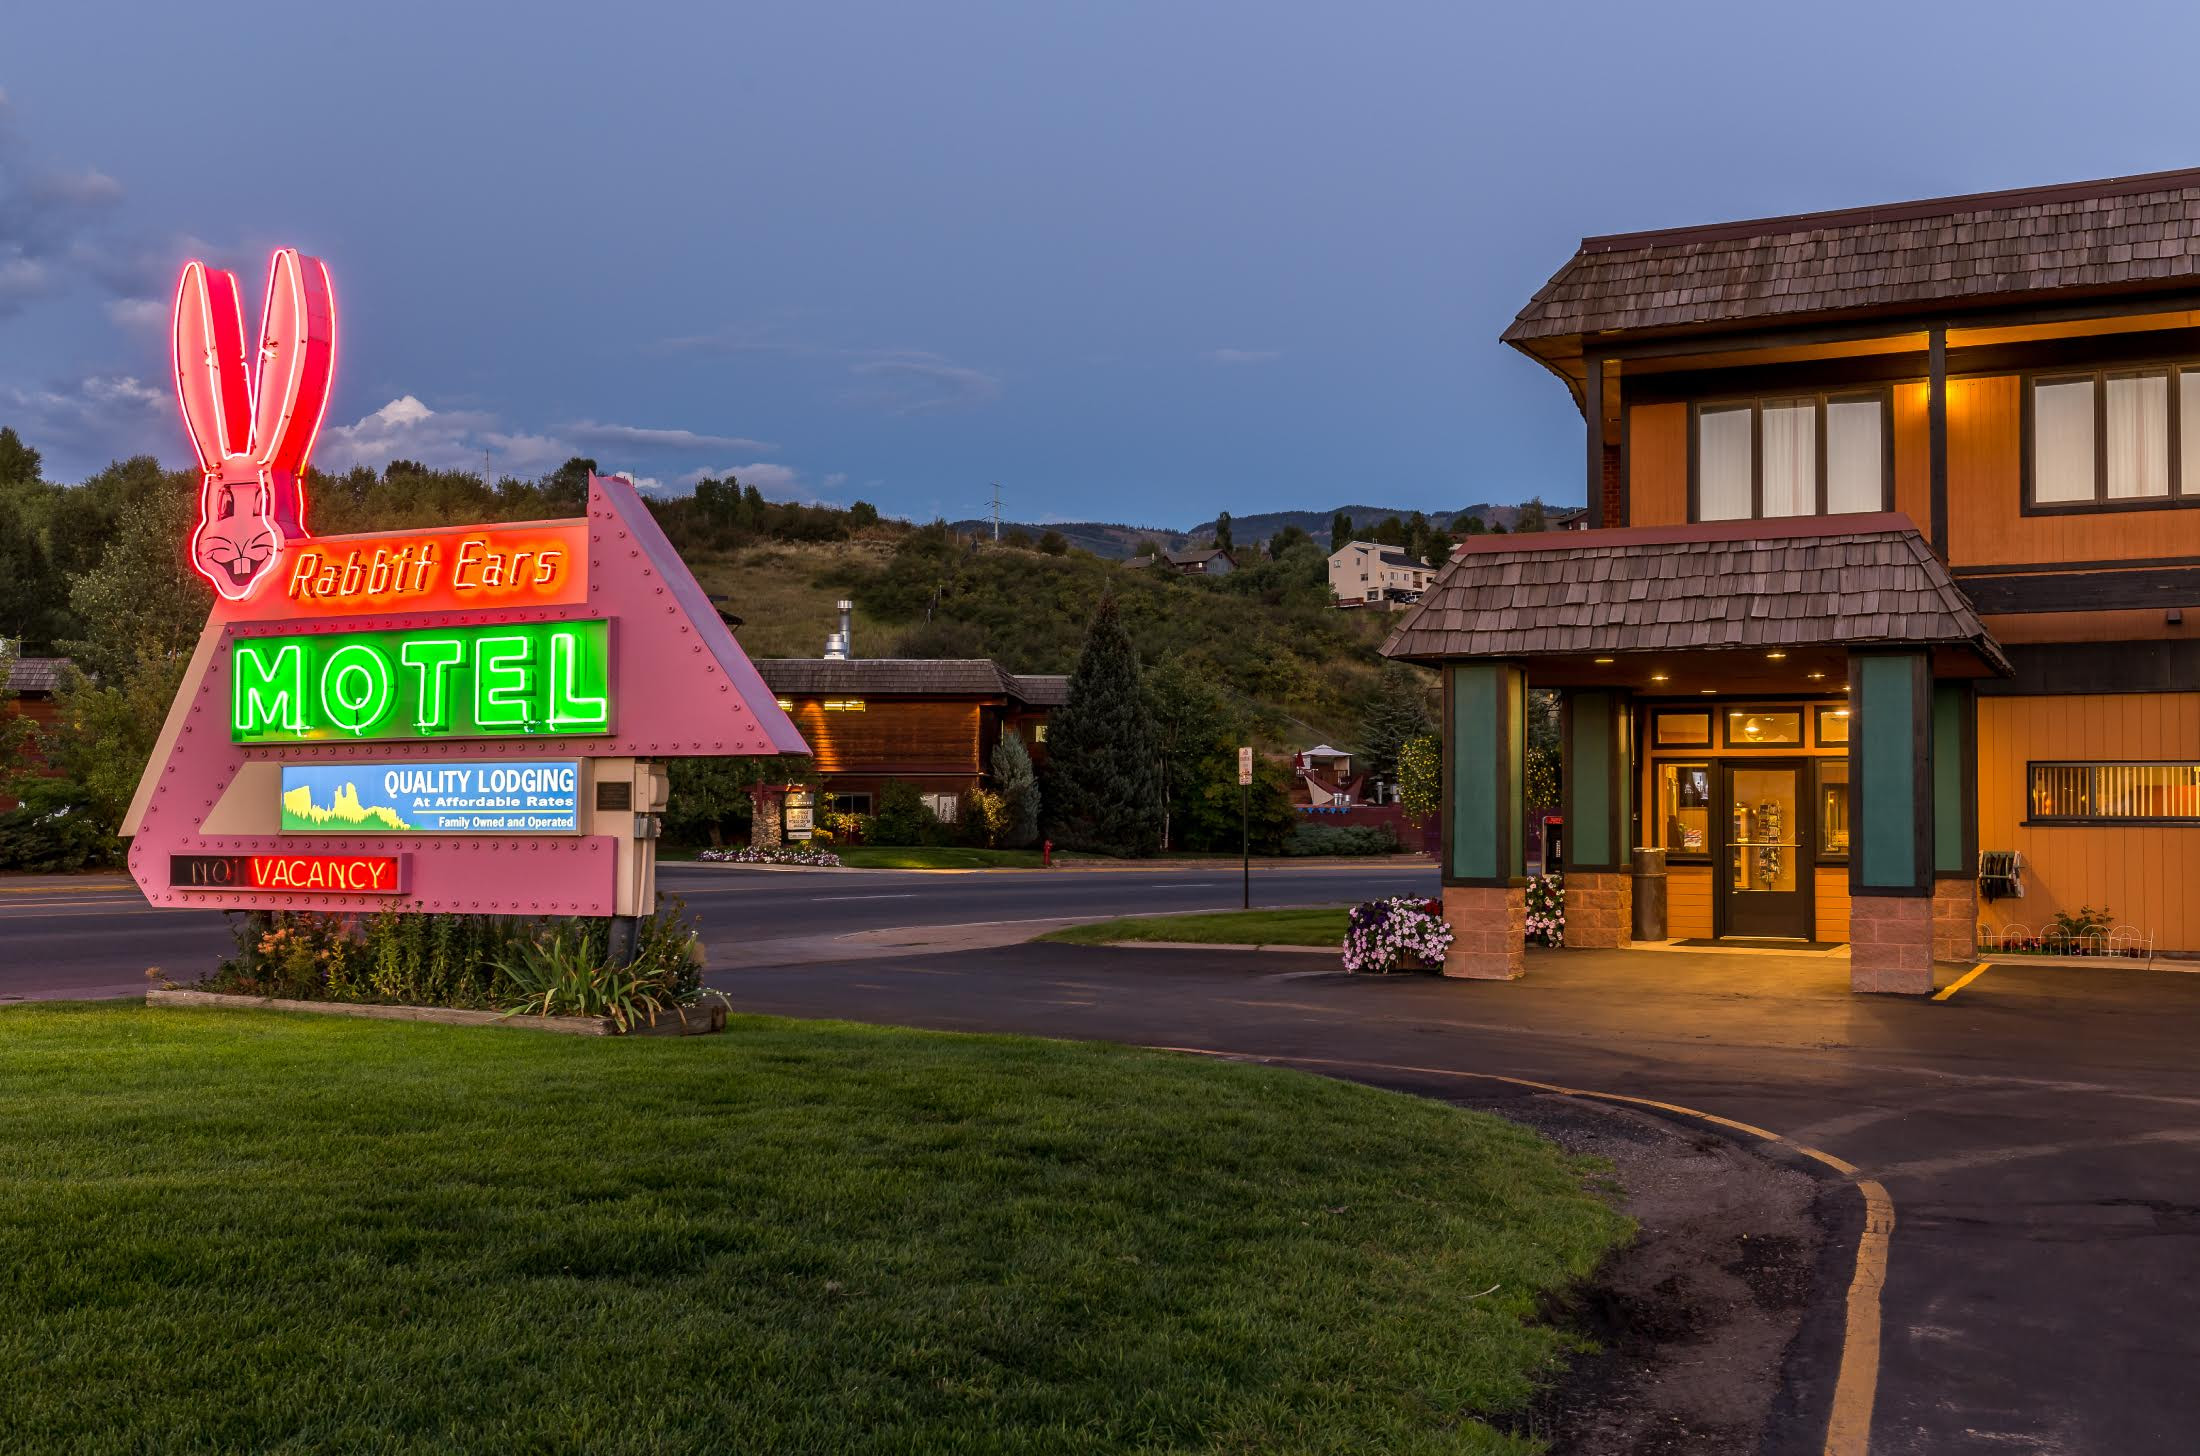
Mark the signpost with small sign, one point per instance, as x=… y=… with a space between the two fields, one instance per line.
x=1245 y=819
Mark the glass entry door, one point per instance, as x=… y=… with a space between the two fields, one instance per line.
x=1762 y=869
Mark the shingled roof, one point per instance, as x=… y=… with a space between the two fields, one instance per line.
x=36 y=675
x=2114 y=233
x=1846 y=581
x=974 y=677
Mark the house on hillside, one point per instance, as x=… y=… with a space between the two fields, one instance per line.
x=1884 y=627
x=1201 y=561
x=1324 y=777
x=1368 y=573
x=932 y=722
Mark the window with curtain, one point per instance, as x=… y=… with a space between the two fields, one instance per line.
x=2114 y=437
x=1804 y=455
x=1723 y=464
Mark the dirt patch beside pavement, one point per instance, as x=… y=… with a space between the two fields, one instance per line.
x=1695 y=1321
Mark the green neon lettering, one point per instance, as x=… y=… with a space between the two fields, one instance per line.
x=431 y=659
x=504 y=682
x=570 y=708
x=357 y=687
x=268 y=691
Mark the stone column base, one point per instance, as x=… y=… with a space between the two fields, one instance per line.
x=1955 y=919
x=1489 y=928
x=1600 y=909
x=1891 y=944
x=764 y=821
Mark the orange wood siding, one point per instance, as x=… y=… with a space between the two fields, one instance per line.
x=2147 y=878
x=1688 y=902
x=1913 y=456
x=1831 y=898
x=1657 y=464
x=1986 y=523
x=889 y=737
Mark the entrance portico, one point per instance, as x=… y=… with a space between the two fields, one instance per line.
x=1784 y=707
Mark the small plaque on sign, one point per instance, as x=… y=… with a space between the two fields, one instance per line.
x=1245 y=765
x=615 y=794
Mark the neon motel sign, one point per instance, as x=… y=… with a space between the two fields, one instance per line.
x=253 y=432
x=508 y=680
x=347 y=874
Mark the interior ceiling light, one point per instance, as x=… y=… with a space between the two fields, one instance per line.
x=1814 y=676
x=1604 y=662
x=1657 y=677
x=1777 y=656
x=1707 y=690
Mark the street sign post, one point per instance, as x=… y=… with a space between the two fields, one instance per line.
x=1245 y=819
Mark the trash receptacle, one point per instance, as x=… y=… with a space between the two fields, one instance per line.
x=1649 y=894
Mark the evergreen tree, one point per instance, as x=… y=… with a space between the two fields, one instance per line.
x=1468 y=525
x=1534 y=516
x=1340 y=530
x=1222 y=533
x=1396 y=714
x=1018 y=783
x=1104 y=767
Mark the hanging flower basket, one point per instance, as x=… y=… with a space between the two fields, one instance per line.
x=1397 y=934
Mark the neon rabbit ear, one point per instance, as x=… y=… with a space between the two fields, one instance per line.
x=297 y=356
x=210 y=374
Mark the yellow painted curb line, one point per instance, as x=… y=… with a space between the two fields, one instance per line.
x=1961 y=981
x=1848 y=1427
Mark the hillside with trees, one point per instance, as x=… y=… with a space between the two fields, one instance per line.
x=95 y=572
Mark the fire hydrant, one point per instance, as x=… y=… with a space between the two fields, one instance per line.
x=1046 y=854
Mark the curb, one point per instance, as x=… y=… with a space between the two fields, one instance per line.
x=698 y=1020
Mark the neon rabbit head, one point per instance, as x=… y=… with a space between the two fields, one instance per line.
x=252 y=421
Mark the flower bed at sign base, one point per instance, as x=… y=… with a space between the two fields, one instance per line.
x=823 y=859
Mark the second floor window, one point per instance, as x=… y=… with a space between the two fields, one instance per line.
x=2113 y=437
x=1805 y=455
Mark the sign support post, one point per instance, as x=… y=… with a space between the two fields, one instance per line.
x=1245 y=819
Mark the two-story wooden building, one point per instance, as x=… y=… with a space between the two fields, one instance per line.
x=1895 y=534
x=933 y=722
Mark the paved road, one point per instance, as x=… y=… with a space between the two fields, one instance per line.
x=2039 y=1132
x=96 y=937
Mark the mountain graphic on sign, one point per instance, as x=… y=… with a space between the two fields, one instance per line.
x=299 y=810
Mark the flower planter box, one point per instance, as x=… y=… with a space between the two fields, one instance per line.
x=697 y=1020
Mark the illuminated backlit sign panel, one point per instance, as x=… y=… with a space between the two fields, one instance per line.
x=536 y=565
x=508 y=796
x=336 y=874
x=509 y=680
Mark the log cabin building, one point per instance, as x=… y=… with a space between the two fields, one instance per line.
x=1893 y=563
x=870 y=720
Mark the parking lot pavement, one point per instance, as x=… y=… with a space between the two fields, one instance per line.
x=2039 y=1132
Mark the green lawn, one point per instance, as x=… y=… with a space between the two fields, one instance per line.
x=1226 y=927
x=888 y=857
x=225 y=1231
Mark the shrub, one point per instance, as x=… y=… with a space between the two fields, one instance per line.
x=55 y=830
x=1309 y=837
x=814 y=858
x=902 y=818
x=562 y=970
x=986 y=818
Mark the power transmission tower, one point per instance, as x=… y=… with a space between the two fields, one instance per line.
x=996 y=513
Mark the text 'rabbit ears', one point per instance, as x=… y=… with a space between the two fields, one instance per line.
x=265 y=410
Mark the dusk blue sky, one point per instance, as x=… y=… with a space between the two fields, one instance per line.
x=1135 y=262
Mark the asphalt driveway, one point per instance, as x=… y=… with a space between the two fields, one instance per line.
x=2039 y=1132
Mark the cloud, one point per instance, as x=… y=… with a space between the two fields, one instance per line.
x=50 y=220
x=407 y=429
x=1242 y=356
x=592 y=432
x=908 y=382
x=81 y=424
x=639 y=481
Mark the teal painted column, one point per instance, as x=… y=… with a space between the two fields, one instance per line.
x=1955 y=781
x=1891 y=777
x=1485 y=773
x=1598 y=778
